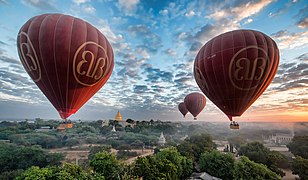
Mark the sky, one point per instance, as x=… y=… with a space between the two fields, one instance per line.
x=155 y=43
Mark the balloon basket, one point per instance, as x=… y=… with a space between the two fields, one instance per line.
x=234 y=127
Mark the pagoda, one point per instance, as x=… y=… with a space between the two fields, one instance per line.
x=118 y=117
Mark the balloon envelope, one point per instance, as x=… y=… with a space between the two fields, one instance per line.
x=182 y=108
x=195 y=103
x=234 y=69
x=67 y=58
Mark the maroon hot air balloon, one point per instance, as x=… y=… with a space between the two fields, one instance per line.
x=182 y=108
x=195 y=103
x=234 y=69
x=67 y=58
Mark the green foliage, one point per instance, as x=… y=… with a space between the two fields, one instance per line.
x=166 y=164
x=300 y=167
x=183 y=165
x=299 y=146
x=194 y=146
x=249 y=170
x=217 y=164
x=151 y=168
x=67 y=172
x=8 y=175
x=15 y=157
x=258 y=153
x=97 y=149
x=106 y=164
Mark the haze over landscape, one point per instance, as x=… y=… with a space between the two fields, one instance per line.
x=155 y=44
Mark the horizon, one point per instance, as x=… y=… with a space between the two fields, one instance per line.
x=155 y=44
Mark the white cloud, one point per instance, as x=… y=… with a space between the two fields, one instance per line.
x=249 y=20
x=291 y=41
x=191 y=13
x=78 y=2
x=241 y=11
x=163 y=12
x=303 y=24
x=143 y=52
x=89 y=9
x=129 y=6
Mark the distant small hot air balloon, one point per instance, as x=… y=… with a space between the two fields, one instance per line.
x=182 y=108
x=67 y=58
x=234 y=69
x=195 y=103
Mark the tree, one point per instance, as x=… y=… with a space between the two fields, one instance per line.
x=194 y=146
x=15 y=157
x=166 y=164
x=300 y=167
x=106 y=164
x=299 y=146
x=66 y=171
x=249 y=170
x=258 y=153
x=217 y=164
x=97 y=149
x=150 y=167
x=184 y=166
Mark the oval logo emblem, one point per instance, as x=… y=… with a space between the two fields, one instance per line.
x=89 y=63
x=247 y=72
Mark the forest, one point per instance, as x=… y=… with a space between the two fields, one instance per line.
x=31 y=150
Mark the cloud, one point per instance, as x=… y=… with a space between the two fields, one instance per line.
x=288 y=40
x=164 y=12
x=89 y=9
x=139 y=89
x=190 y=14
x=78 y=2
x=42 y=4
x=292 y=75
x=303 y=17
x=3 y=2
x=150 y=41
x=155 y=75
x=128 y=6
x=170 y=52
x=240 y=11
x=303 y=23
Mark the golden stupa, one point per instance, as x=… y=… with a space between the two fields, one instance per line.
x=118 y=117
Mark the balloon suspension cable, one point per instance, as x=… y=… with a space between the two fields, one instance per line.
x=230 y=117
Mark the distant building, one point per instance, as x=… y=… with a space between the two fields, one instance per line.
x=43 y=129
x=221 y=145
x=105 y=123
x=161 y=140
x=118 y=118
x=113 y=129
x=281 y=138
x=202 y=176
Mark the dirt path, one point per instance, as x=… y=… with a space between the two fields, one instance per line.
x=131 y=160
x=289 y=175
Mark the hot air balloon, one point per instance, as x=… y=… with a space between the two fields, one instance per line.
x=195 y=103
x=234 y=69
x=67 y=58
x=182 y=108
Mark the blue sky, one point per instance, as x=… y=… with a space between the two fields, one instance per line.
x=155 y=43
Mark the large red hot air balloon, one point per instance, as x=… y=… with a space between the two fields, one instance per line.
x=67 y=58
x=234 y=69
x=195 y=103
x=182 y=108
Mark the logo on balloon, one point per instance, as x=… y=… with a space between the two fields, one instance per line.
x=88 y=67
x=28 y=57
x=247 y=73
